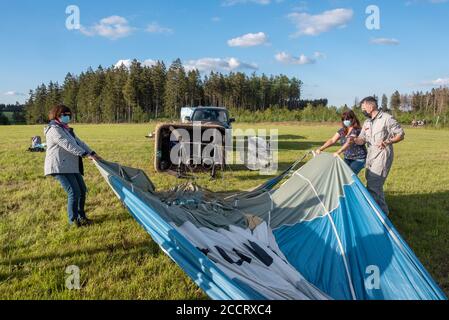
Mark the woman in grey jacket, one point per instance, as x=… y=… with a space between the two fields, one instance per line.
x=64 y=162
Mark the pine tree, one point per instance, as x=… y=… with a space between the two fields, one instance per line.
x=30 y=109
x=69 y=94
x=265 y=85
x=146 y=91
x=130 y=95
x=96 y=103
x=255 y=92
x=39 y=113
x=176 y=88
x=194 y=92
x=120 y=78
x=53 y=97
x=294 y=98
x=110 y=98
x=384 y=102
x=395 y=101
x=158 y=80
x=84 y=100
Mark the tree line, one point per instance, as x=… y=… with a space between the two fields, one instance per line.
x=16 y=114
x=433 y=103
x=139 y=93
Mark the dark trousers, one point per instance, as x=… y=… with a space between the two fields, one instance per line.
x=356 y=165
x=73 y=184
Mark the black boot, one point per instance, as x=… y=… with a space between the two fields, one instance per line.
x=85 y=222
x=75 y=223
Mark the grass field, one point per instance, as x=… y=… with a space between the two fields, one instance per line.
x=118 y=260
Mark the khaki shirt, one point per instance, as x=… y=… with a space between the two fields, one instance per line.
x=374 y=132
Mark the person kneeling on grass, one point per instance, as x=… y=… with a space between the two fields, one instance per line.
x=63 y=161
x=355 y=155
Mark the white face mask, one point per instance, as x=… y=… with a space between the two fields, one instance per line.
x=347 y=123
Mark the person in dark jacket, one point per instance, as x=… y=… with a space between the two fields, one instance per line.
x=64 y=162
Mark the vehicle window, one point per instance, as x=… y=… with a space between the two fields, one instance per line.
x=222 y=116
x=210 y=115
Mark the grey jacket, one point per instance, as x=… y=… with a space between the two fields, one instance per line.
x=63 y=151
x=374 y=131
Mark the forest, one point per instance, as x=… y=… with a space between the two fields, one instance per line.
x=141 y=93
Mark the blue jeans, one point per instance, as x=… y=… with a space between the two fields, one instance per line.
x=356 y=165
x=73 y=184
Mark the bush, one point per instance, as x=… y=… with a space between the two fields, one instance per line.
x=275 y=114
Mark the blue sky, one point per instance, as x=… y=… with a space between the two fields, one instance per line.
x=325 y=43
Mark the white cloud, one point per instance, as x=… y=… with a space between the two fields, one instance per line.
x=127 y=63
x=113 y=27
x=289 y=59
x=154 y=27
x=149 y=63
x=412 y=2
x=219 y=64
x=385 y=41
x=14 y=94
x=319 y=55
x=437 y=82
x=312 y=25
x=249 y=40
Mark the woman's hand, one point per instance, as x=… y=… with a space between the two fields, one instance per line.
x=336 y=154
x=318 y=152
x=384 y=144
x=95 y=157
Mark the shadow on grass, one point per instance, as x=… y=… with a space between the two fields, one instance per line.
x=423 y=221
x=148 y=248
x=299 y=145
x=295 y=142
x=290 y=137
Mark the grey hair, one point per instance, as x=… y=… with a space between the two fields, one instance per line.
x=370 y=100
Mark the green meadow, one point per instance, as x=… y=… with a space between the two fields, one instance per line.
x=118 y=259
